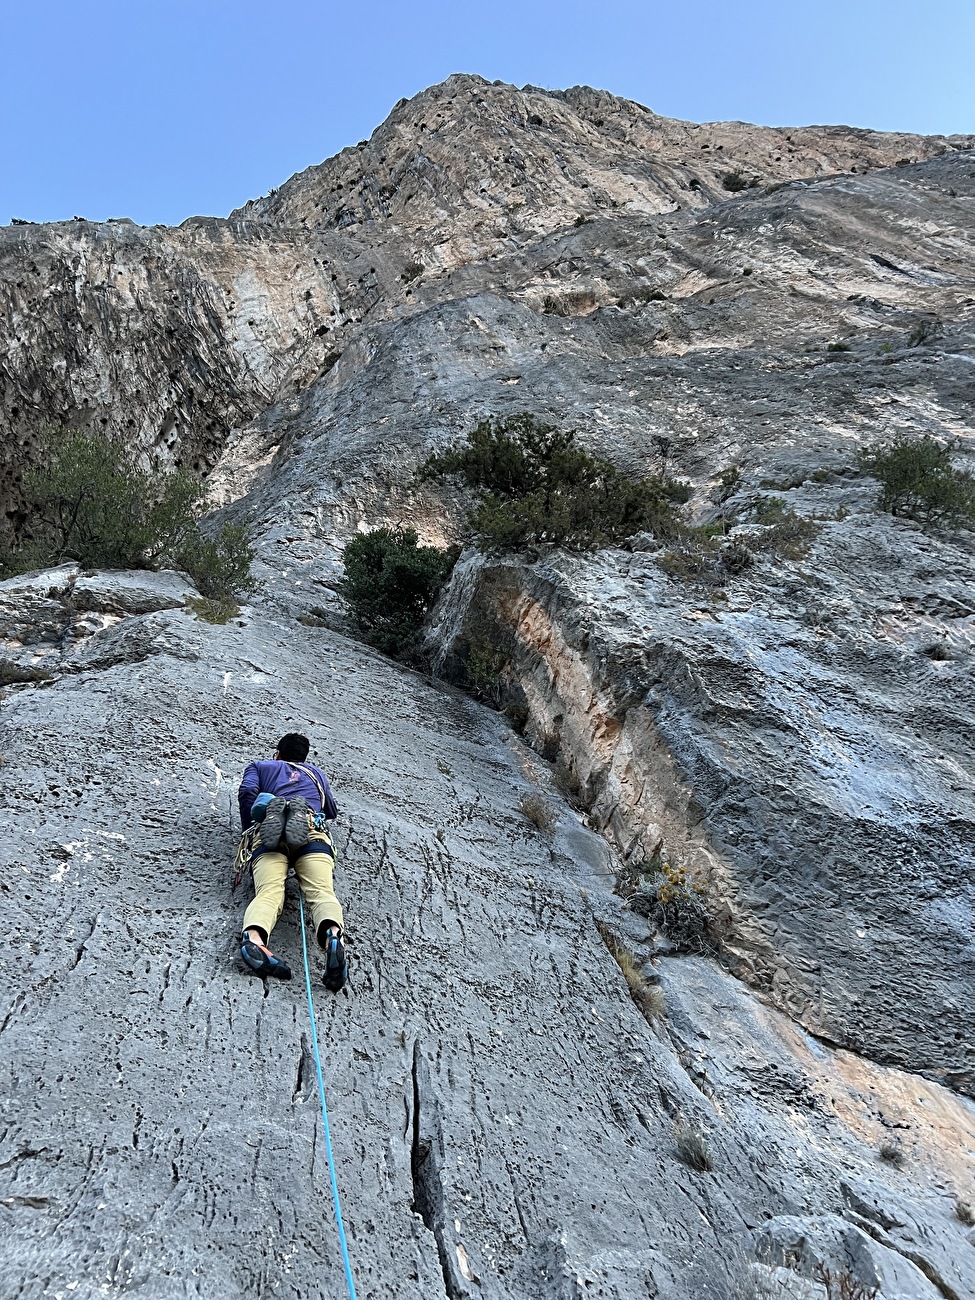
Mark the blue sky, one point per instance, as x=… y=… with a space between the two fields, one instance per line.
x=159 y=109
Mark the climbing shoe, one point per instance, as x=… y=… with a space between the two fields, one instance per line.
x=272 y=827
x=297 y=823
x=336 y=967
x=262 y=961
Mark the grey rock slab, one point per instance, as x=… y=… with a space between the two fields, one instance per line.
x=159 y=1105
x=131 y=591
x=33 y=606
x=827 y=1243
x=931 y=1243
x=503 y=1116
x=795 y=769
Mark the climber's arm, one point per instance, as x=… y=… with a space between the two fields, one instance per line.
x=250 y=788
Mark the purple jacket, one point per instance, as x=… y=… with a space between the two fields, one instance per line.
x=274 y=776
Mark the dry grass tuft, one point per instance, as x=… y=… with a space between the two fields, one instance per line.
x=213 y=611
x=537 y=810
x=648 y=997
x=842 y=1285
x=692 y=1145
x=892 y=1151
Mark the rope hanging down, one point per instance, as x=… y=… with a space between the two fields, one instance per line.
x=321 y=1096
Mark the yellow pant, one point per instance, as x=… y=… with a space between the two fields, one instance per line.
x=314 y=872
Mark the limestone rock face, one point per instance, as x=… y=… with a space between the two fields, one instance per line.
x=532 y=1095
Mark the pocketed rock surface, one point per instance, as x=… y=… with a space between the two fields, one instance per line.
x=507 y=1122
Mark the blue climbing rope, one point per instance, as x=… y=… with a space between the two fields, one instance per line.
x=321 y=1096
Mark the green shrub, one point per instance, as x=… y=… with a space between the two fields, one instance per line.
x=925 y=331
x=483 y=669
x=734 y=182
x=209 y=610
x=919 y=482
x=786 y=534
x=86 y=502
x=694 y=558
x=219 y=566
x=390 y=584
x=536 y=486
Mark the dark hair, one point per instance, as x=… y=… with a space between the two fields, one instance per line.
x=293 y=747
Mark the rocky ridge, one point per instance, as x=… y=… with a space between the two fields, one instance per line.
x=790 y=736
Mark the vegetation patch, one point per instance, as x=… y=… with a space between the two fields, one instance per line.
x=538 y=810
x=786 y=534
x=648 y=997
x=13 y=674
x=840 y=1284
x=705 y=557
x=536 y=486
x=694 y=558
x=918 y=481
x=891 y=1150
x=220 y=566
x=692 y=1145
x=925 y=331
x=87 y=502
x=484 y=668
x=390 y=584
x=736 y=181
x=729 y=481
x=680 y=910
x=213 y=611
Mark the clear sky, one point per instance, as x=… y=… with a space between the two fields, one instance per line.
x=159 y=109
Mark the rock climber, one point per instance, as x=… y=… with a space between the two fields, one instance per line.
x=285 y=804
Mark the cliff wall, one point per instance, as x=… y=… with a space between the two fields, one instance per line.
x=509 y=1119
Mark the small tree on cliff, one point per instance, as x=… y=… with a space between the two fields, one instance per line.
x=919 y=482
x=537 y=486
x=390 y=584
x=87 y=502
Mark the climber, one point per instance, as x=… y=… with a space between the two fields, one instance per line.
x=285 y=804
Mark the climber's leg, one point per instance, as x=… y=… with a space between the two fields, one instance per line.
x=313 y=868
x=270 y=872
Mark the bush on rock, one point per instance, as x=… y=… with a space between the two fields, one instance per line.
x=390 y=584
x=87 y=502
x=536 y=486
x=919 y=482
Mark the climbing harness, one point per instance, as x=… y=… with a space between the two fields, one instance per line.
x=321 y=1097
